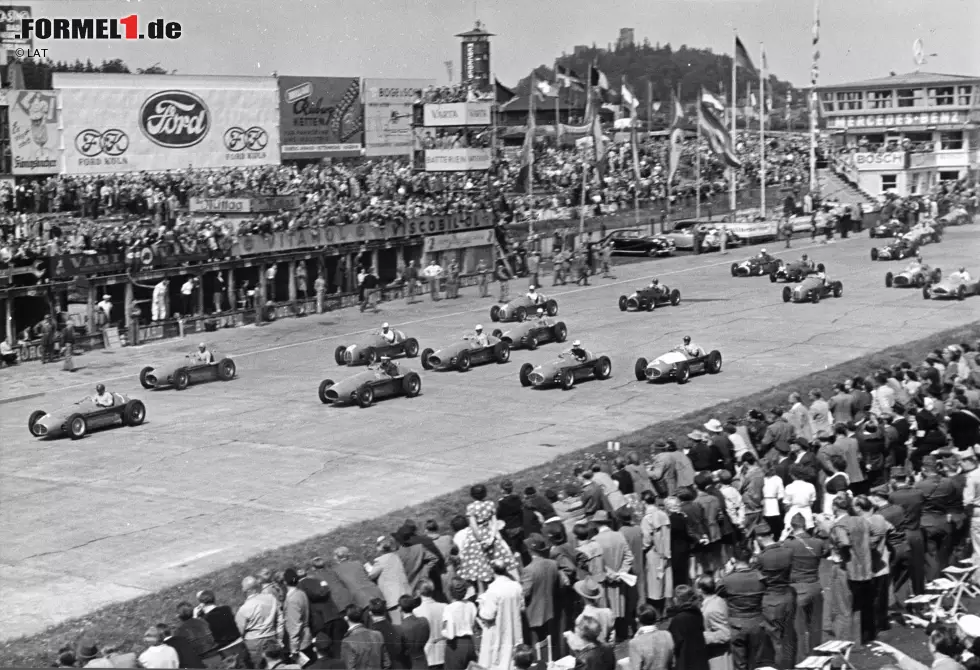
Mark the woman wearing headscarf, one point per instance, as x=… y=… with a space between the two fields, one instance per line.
x=687 y=628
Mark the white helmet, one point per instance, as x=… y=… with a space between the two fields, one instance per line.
x=531 y=287
x=478 y=328
x=576 y=344
x=762 y=251
x=540 y=311
x=384 y=325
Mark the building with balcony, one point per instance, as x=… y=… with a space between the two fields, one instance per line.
x=905 y=133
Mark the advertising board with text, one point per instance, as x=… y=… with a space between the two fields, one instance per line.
x=258 y=205
x=388 y=115
x=320 y=116
x=891 y=160
x=35 y=141
x=457 y=114
x=10 y=26
x=132 y=123
x=453 y=160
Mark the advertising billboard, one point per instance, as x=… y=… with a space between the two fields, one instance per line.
x=452 y=160
x=131 y=123
x=388 y=115
x=457 y=114
x=10 y=26
x=321 y=116
x=35 y=141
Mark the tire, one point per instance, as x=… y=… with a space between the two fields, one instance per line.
x=134 y=413
x=495 y=313
x=560 y=331
x=871 y=232
x=464 y=361
x=77 y=426
x=603 y=369
x=888 y=279
x=497 y=333
x=182 y=379
x=567 y=380
x=501 y=352
x=411 y=347
x=734 y=269
x=520 y=314
x=322 y=393
x=925 y=293
x=226 y=369
x=270 y=313
x=145 y=371
x=371 y=356
x=426 y=365
x=649 y=306
x=874 y=253
x=961 y=292
x=713 y=364
x=675 y=297
x=937 y=275
x=815 y=297
x=772 y=277
x=531 y=342
x=683 y=373
x=838 y=290
x=411 y=384
x=365 y=396
x=33 y=419
x=339 y=355
x=787 y=294
x=551 y=307
x=640 y=369
x=920 y=281
x=525 y=371
x=622 y=303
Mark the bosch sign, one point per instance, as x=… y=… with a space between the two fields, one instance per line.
x=175 y=119
x=892 y=160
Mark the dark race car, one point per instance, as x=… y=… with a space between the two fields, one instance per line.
x=755 y=267
x=916 y=275
x=898 y=250
x=465 y=353
x=77 y=419
x=892 y=228
x=677 y=364
x=649 y=298
x=812 y=289
x=565 y=371
x=634 y=242
x=530 y=334
x=521 y=308
x=795 y=271
x=182 y=372
x=371 y=347
x=377 y=381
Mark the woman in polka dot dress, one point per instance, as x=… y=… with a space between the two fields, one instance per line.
x=483 y=544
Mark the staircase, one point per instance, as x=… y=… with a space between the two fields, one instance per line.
x=832 y=185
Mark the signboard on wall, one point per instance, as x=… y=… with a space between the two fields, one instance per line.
x=10 y=26
x=257 y=205
x=892 y=160
x=388 y=107
x=457 y=114
x=452 y=160
x=475 y=238
x=35 y=140
x=321 y=116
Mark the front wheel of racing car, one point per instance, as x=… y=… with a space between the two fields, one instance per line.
x=734 y=269
x=464 y=361
x=365 y=396
x=145 y=371
x=874 y=253
x=501 y=352
x=713 y=364
x=640 y=369
x=425 y=357
x=920 y=280
x=411 y=347
x=520 y=314
x=960 y=292
x=182 y=379
x=33 y=419
x=525 y=374
x=889 y=278
x=134 y=413
x=495 y=313
x=787 y=294
x=652 y=305
x=838 y=290
x=561 y=331
x=567 y=380
x=531 y=342
x=412 y=384
x=815 y=296
x=623 y=303
x=683 y=373
x=603 y=369
x=370 y=355
x=226 y=369
x=926 y=294
x=871 y=232
x=937 y=275
x=675 y=297
x=551 y=307
x=772 y=277
x=77 y=426
x=322 y=392
x=340 y=355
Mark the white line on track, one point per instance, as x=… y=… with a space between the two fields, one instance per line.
x=426 y=319
x=196 y=557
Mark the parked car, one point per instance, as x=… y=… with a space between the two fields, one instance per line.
x=629 y=241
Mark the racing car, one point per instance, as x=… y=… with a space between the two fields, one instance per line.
x=380 y=380
x=915 y=275
x=565 y=371
x=519 y=308
x=812 y=289
x=465 y=353
x=896 y=251
x=924 y=233
x=891 y=228
x=755 y=267
x=951 y=287
x=372 y=347
x=957 y=216
x=794 y=271
x=649 y=298
x=530 y=334
x=677 y=364
x=184 y=371
x=77 y=419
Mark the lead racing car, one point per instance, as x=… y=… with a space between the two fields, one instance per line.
x=530 y=334
x=519 y=308
x=465 y=353
x=795 y=271
x=677 y=364
x=958 y=285
x=649 y=298
x=900 y=249
x=812 y=289
x=190 y=369
x=77 y=419
x=916 y=275
x=763 y=264
x=374 y=346
x=570 y=367
x=385 y=379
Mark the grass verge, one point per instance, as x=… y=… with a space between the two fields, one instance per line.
x=121 y=625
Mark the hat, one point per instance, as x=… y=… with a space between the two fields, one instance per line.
x=969 y=624
x=588 y=589
x=106 y=296
x=577 y=343
x=763 y=529
x=531 y=287
x=478 y=327
x=625 y=514
x=697 y=436
x=536 y=543
x=714 y=426
x=601 y=516
x=384 y=325
x=659 y=445
x=87 y=652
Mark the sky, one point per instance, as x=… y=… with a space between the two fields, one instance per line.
x=860 y=39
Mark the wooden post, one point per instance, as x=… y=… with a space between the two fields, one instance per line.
x=200 y=294
x=8 y=304
x=90 y=310
x=127 y=310
x=291 y=267
x=232 y=298
x=260 y=294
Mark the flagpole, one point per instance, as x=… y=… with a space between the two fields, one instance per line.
x=697 y=168
x=581 y=214
x=530 y=157
x=762 y=130
x=733 y=175
x=814 y=73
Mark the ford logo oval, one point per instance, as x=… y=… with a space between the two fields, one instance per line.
x=175 y=119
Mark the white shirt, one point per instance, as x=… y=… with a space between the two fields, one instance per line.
x=772 y=492
x=104 y=400
x=799 y=497
x=388 y=335
x=960 y=276
x=187 y=288
x=105 y=306
x=159 y=656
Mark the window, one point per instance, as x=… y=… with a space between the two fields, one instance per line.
x=941 y=96
x=889 y=182
x=952 y=140
x=949 y=175
x=964 y=95
x=911 y=97
x=880 y=100
x=849 y=101
x=828 y=102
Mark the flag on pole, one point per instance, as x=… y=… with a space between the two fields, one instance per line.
x=676 y=140
x=718 y=136
x=629 y=99
x=634 y=146
x=502 y=94
x=599 y=79
x=815 y=68
x=546 y=89
x=568 y=79
x=449 y=70
x=742 y=59
x=598 y=147
x=709 y=98
x=589 y=109
x=525 y=175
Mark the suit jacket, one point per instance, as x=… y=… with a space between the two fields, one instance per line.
x=596 y=657
x=221 y=622
x=296 y=612
x=593 y=499
x=540 y=581
x=415 y=631
x=328 y=595
x=724 y=449
x=186 y=656
x=356 y=579
x=778 y=436
x=394 y=643
x=712 y=509
x=717 y=634
x=417 y=561
x=364 y=649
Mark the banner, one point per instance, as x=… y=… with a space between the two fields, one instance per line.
x=134 y=123
x=452 y=160
x=257 y=205
x=10 y=26
x=388 y=115
x=320 y=116
x=893 y=160
x=476 y=238
x=457 y=114
x=35 y=141
x=70 y=265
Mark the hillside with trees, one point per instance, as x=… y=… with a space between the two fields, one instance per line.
x=37 y=74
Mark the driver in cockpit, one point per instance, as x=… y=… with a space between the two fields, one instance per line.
x=578 y=352
x=691 y=349
x=388 y=366
x=480 y=337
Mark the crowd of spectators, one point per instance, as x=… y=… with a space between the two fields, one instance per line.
x=721 y=549
x=464 y=92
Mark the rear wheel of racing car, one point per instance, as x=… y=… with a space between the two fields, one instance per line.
x=652 y=305
x=960 y=292
x=531 y=342
x=734 y=269
x=838 y=290
x=925 y=293
x=340 y=355
x=411 y=347
x=497 y=332
x=561 y=331
x=787 y=294
x=77 y=426
x=772 y=277
x=874 y=253
x=675 y=297
x=603 y=369
x=501 y=352
x=33 y=419
x=640 y=369
x=567 y=379
x=551 y=307
x=525 y=374
x=371 y=355
x=181 y=379
x=425 y=358
x=815 y=296
x=322 y=393
x=134 y=413
x=365 y=396
x=622 y=303
x=888 y=279
x=145 y=371
x=683 y=373
x=464 y=361
x=412 y=384
x=713 y=364
x=226 y=369
x=495 y=313
x=270 y=313
x=520 y=314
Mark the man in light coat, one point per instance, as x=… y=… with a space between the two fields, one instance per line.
x=499 y=610
x=655 y=527
x=799 y=418
x=296 y=612
x=618 y=559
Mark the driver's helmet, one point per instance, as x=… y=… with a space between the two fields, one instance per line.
x=805 y=257
x=202 y=347
x=655 y=282
x=384 y=326
x=530 y=289
x=540 y=313
x=687 y=339
x=479 y=328
x=100 y=388
x=577 y=344
x=962 y=270
x=762 y=252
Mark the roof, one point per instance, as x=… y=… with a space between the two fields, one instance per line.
x=908 y=79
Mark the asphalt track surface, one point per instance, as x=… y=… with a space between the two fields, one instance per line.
x=223 y=471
